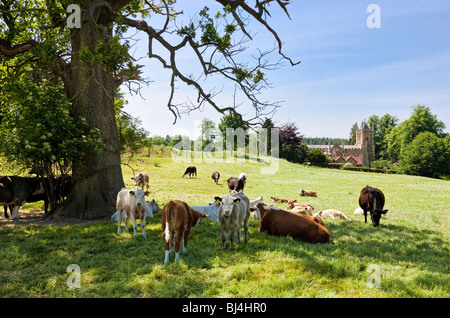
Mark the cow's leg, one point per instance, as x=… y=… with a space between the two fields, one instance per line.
x=224 y=239
x=365 y=216
x=15 y=213
x=185 y=241
x=238 y=232
x=119 y=221
x=178 y=239
x=232 y=234
x=6 y=211
x=127 y=221
x=143 y=225
x=246 y=227
x=133 y=219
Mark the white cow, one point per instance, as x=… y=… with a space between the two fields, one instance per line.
x=133 y=202
x=331 y=213
x=151 y=208
x=212 y=210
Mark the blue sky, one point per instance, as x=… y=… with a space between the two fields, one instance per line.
x=347 y=73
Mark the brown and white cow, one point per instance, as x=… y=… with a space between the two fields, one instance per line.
x=372 y=200
x=305 y=210
x=307 y=193
x=141 y=179
x=300 y=227
x=177 y=221
x=133 y=202
x=215 y=176
x=233 y=212
x=277 y=199
x=294 y=203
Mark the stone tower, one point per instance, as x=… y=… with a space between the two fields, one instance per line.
x=365 y=140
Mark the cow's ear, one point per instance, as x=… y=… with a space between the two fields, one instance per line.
x=237 y=201
x=146 y=193
x=384 y=211
x=218 y=200
x=131 y=193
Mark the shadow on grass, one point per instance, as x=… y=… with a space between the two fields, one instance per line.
x=124 y=265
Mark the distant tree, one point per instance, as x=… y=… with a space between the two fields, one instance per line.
x=291 y=146
x=132 y=135
x=382 y=126
x=315 y=156
x=208 y=131
x=427 y=155
x=352 y=136
x=234 y=121
x=268 y=124
x=399 y=137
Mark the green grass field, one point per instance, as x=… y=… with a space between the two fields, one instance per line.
x=410 y=248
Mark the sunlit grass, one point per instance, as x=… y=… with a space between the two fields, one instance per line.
x=411 y=247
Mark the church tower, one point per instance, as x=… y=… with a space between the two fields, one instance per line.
x=365 y=139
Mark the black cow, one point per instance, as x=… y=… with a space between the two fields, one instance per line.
x=236 y=184
x=372 y=200
x=190 y=170
x=15 y=190
x=61 y=187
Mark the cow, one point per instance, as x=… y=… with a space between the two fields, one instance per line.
x=372 y=200
x=234 y=211
x=235 y=184
x=305 y=210
x=300 y=227
x=177 y=221
x=294 y=203
x=215 y=176
x=331 y=213
x=15 y=190
x=277 y=199
x=141 y=179
x=358 y=210
x=151 y=207
x=192 y=170
x=211 y=210
x=133 y=202
x=307 y=193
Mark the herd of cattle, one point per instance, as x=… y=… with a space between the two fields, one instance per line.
x=232 y=211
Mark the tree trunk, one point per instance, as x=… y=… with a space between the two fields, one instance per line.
x=98 y=178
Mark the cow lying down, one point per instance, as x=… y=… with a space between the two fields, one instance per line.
x=332 y=214
x=300 y=227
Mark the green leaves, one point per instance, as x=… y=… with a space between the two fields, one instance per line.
x=38 y=128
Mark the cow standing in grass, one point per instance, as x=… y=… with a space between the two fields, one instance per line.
x=372 y=200
x=177 y=221
x=233 y=212
x=133 y=202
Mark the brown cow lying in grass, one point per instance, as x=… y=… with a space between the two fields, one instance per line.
x=300 y=227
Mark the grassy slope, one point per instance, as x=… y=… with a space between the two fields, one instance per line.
x=411 y=247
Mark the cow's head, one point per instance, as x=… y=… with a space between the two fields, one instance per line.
x=227 y=204
x=138 y=179
x=376 y=216
x=139 y=197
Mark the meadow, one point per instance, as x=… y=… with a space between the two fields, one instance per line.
x=410 y=249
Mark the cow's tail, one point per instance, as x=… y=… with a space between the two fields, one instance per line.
x=170 y=216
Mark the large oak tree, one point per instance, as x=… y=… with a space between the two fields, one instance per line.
x=92 y=61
